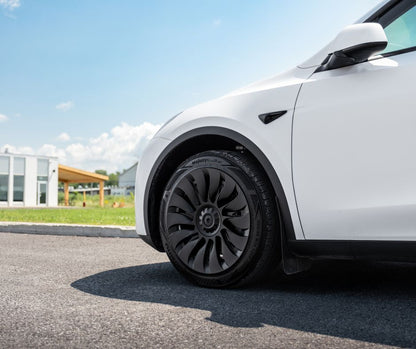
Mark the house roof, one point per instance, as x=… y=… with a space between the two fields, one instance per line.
x=129 y=169
x=74 y=175
x=18 y=155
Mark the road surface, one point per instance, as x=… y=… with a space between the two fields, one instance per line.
x=60 y=291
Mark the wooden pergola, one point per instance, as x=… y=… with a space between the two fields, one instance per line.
x=69 y=175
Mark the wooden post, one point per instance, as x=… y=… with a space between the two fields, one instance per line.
x=102 y=193
x=66 y=193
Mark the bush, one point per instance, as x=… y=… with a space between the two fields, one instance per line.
x=61 y=198
x=73 y=198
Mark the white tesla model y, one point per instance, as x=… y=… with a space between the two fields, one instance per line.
x=318 y=162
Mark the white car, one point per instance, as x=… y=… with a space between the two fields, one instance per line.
x=318 y=162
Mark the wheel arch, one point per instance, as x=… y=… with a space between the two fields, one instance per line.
x=194 y=142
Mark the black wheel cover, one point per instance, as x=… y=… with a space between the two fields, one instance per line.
x=207 y=220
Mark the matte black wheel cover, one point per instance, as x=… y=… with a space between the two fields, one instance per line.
x=207 y=220
x=218 y=220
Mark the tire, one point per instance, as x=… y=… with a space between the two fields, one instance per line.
x=219 y=220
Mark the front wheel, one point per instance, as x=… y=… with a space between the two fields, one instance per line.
x=219 y=220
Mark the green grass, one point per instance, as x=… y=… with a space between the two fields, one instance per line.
x=87 y=215
x=76 y=199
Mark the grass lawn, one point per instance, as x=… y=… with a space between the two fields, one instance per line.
x=76 y=215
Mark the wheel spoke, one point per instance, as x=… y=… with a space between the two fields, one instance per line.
x=178 y=236
x=228 y=213
x=227 y=254
x=214 y=184
x=199 y=262
x=178 y=200
x=200 y=185
x=237 y=221
x=238 y=241
x=185 y=252
x=242 y=222
x=178 y=219
x=236 y=230
x=214 y=265
x=188 y=189
x=235 y=201
x=228 y=199
x=226 y=189
x=175 y=209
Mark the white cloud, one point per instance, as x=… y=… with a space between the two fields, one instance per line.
x=3 y=118
x=16 y=150
x=10 y=4
x=113 y=151
x=63 y=137
x=52 y=150
x=64 y=106
x=216 y=23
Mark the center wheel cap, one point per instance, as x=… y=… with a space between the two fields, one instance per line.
x=208 y=220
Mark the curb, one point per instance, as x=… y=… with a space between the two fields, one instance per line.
x=68 y=229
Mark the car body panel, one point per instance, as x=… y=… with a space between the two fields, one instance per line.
x=239 y=111
x=353 y=153
x=144 y=168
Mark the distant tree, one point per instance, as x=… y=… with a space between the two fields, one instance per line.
x=112 y=177
x=101 y=172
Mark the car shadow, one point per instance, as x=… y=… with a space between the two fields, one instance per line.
x=362 y=301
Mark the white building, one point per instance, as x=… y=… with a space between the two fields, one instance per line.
x=28 y=180
x=127 y=179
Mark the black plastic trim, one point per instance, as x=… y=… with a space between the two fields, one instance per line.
x=270 y=117
x=390 y=12
x=244 y=142
x=395 y=53
x=351 y=56
x=345 y=249
x=148 y=240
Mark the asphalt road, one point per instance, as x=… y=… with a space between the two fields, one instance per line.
x=58 y=291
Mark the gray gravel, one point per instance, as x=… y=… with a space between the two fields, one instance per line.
x=61 y=291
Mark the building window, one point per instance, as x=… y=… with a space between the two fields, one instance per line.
x=43 y=170
x=43 y=178
x=4 y=187
x=4 y=178
x=19 y=179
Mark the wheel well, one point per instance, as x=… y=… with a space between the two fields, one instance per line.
x=168 y=165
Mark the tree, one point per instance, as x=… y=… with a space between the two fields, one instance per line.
x=101 y=172
x=112 y=177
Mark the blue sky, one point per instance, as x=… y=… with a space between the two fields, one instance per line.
x=91 y=80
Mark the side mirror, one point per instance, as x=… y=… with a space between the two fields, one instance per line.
x=355 y=44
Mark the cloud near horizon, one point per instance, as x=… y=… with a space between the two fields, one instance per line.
x=63 y=137
x=3 y=118
x=113 y=151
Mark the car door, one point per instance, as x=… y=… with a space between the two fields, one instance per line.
x=354 y=143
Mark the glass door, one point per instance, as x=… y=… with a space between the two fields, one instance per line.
x=42 y=193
